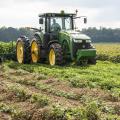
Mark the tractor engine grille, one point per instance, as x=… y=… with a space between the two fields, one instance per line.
x=83 y=45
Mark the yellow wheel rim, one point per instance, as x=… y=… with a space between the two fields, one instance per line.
x=52 y=57
x=35 y=52
x=20 y=52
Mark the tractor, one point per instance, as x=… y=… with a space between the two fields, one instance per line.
x=57 y=42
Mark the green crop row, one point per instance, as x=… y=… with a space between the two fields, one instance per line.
x=91 y=111
x=104 y=75
x=109 y=52
x=6 y=47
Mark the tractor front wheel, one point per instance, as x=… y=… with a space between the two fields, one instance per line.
x=55 y=54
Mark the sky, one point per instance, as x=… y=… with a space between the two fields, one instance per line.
x=24 y=13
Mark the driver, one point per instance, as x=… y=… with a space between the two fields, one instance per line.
x=55 y=26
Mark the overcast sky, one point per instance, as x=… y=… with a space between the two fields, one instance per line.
x=21 y=13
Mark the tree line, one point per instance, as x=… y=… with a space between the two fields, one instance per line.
x=11 y=34
x=103 y=34
x=97 y=35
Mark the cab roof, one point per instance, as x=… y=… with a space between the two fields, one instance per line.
x=57 y=15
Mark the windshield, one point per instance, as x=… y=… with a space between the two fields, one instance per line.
x=61 y=23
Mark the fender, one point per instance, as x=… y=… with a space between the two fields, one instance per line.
x=68 y=39
x=38 y=35
x=53 y=41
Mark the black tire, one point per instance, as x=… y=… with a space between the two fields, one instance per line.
x=65 y=49
x=42 y=57
x=26 y=49
x=92 y=61
x=39 y=48
x=58 y=53
x=0 y=60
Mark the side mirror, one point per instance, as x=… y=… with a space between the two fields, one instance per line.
x=85 y=20
x=41 y=21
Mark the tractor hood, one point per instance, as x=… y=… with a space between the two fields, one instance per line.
x=76 y=35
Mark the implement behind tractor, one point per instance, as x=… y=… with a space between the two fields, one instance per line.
x=57 y=41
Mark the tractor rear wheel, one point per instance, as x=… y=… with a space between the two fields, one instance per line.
x=35 y=50
x=23 y=50
x=55 y=54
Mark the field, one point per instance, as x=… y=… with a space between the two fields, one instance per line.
x=41 y=92
x=110 y=52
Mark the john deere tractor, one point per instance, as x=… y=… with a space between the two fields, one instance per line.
x=57 y=41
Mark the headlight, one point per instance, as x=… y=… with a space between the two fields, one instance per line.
x=77 y=41
x=88 y=41
x=80 y=41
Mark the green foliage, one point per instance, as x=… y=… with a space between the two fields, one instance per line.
x=78 y=83
x=40 y=77
x=15 y=112
x=110 y=52
x=115 y=94
x=104 y=74
x=76 y=113
x=108 y=109
x=60 y=93
x=83 y=113
x=56 y=113
x=21 y=115
x=6 y=47
x=40 y=99
x=19 y=91
x=5 y=108
x=92 y=111
x=111 y=117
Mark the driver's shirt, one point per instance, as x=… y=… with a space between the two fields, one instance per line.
x=55 y=27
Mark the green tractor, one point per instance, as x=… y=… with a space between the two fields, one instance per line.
x=57 y=41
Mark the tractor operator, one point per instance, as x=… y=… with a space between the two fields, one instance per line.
x=55 y=27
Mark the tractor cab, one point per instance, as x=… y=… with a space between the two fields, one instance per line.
x=54 y=22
